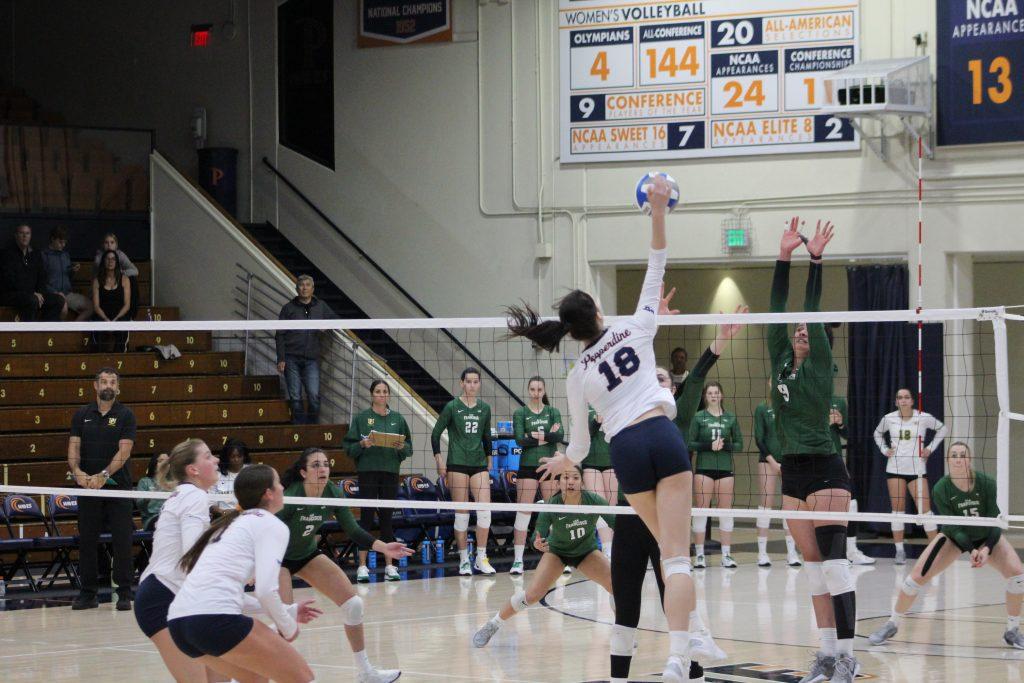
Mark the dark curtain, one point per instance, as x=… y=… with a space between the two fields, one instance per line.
x=883 y=358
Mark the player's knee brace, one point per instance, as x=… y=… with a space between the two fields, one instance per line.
x=522 y=522
x=763 y=522
x=461 y=521
x=622 y=640
x=483 y=519
x=929 y=522
x=815 y=578
x=352 y=611
x=675 y=565
x=831 y=541
x=518 y=601
x=700 y=524
x=726 y=523
x=838 y=579
x=911 y=587
x=897 y=527
x=1015 y=585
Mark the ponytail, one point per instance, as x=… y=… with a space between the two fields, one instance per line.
x=250 y=485
x=173 y=470
x=577 y=317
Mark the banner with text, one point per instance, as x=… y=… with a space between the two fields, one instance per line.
x=400 y=22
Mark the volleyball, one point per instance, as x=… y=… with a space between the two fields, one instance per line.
x=644 y=184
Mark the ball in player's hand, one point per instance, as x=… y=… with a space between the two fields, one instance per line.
x=644 y=184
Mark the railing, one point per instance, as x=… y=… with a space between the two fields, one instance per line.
x=394 y=283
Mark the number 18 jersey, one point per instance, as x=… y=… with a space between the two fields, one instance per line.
x=616 y=373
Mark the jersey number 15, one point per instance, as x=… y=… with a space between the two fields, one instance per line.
x=626 y=362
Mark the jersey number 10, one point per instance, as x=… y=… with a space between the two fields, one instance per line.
x=626 y=362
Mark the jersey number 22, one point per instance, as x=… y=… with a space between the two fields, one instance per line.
x=626 y=362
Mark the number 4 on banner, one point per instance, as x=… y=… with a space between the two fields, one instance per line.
x=600 y=66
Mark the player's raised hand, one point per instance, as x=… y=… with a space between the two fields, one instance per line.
x=553 y=466
x=658 y=194
x=666 y=300
x=791 y=238
x=824 y=231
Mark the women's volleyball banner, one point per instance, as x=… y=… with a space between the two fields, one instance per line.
x=666 y=80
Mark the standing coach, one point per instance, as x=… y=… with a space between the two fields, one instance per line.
x=102 y=435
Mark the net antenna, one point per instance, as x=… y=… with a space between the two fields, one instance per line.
x=881 y=89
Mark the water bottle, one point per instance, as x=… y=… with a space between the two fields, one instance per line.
x=371 y=559
x=439 y=551
x=471 y=545
x=425 y=552
x=403 y=561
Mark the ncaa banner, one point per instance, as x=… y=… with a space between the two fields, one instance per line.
x=402 y=22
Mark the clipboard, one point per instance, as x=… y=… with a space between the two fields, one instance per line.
x=387 y=440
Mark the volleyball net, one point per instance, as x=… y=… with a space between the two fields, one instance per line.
x=220 y=381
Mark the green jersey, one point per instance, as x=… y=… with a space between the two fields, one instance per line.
x=690 y=391
x=376 y=458
x=801 y=396
x=304 y=522
x=571 y=534
x=764 y=431
x=706 y=428
x=525 y=422
x=600 y=453
x=469 y=433
x=839 y=432
x=980 y=501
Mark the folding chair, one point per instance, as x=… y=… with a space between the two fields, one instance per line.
x=61 y=508
x=19 y=547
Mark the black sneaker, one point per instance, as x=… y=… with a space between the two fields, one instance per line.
x=85 y=601
x=124 y=603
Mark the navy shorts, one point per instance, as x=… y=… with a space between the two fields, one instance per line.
x=152 y=600
x=209 y=634
x=803 y=475
x=295 y=566
x=469 y=470
x=715 y=475
x=909 y=478
x=647 y=452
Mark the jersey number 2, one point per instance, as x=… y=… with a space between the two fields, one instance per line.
x=626 y=362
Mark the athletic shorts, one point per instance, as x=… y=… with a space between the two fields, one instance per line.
x=647 y=452
x=803 y=475
x=598 y=468
x=715 y=475
x=572 y=560
x=974 y=545
x=468 y=470
x=209 y=634
x=152 y=601
x=526 y=472
x=295 y=566
x=909 y=478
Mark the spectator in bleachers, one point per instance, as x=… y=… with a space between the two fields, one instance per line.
x=58 y=275
x=102 y=436
x=298 y=351
x=678 y=369
x=149 y=508
x=111 y=295
x=23 y=280
x=233 y=457
x=127 y=267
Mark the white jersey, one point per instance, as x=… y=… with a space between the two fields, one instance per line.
x=252 y=546
x=226 y=485
x=616 y=374
x=903 y=435
x=183 y=519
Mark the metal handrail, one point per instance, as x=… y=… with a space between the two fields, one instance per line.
x=394 y=283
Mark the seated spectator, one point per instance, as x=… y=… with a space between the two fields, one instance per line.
x=149 y=508
x=127 y=267
x=23 y=280
x=111 y=293
x=233 y=457
x=58 y=275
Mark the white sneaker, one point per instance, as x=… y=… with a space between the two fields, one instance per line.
x=901 y=557
x=822 y=668
x=703 y=648
x=517 y=568
x=363 y=575
x=793 y=559
x=483 y=565
x=676 y=671
x=887 y=631
x=700 y=563
x=567 y=570
x=846 y=669
x=763 y=560
x=1014 y=638
x=379 y=676
x=484 y=635
x=857 y=557
x=391 y=574
x=465 y=568
x=728 y=562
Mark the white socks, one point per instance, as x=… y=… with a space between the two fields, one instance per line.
x=790 y=544
x=679 y=644
x=1012 y=623
x=700 y=549
x=896 y=617
x=851 y=545
x=481 y=552
x=762 y=545
x=463 y=555
x=362 y=661
x=518 y=550
x=726 y=550
x=899 y=546
x=845 y=647
x=696 y=623
x=828 y=641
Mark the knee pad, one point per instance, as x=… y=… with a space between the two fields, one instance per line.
x=483 y=519
x=815 y=578
x=838 y=578
x=929 y=524
x=763 y=522
x=518 y=601
x=461 y=521
x=1015 y=585
x=831 y=541
x=622 y=641
x=675 y=565
x=352 y=611
x=700 y=524
x=853 y=505
x=897 y=527
x=522 y=522
x=910 y=587
x=726 y=523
